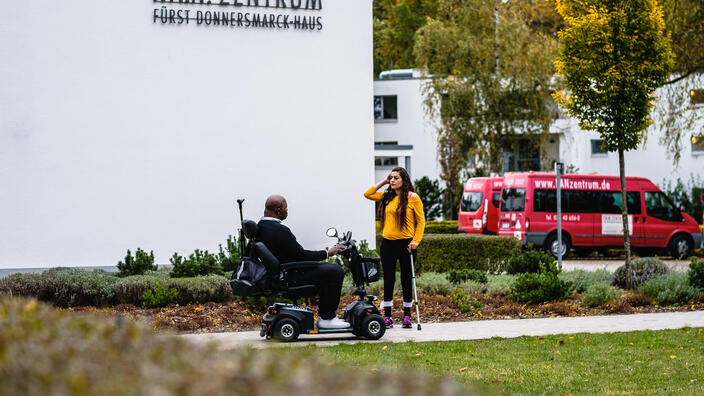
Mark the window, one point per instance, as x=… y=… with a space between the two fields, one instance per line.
x=697 y=96
x=513 y=200
x=610 y=202
x=596 y=147
x=583 y=201
x=659 y=205
x=386 y=161
x=522 y=156
x=385 y=108
x=496 y=199
x=471 y=201
x=698 y=144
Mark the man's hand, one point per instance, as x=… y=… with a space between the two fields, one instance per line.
x=412 y=246
x=335 y=250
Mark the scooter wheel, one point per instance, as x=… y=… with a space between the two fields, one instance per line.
x=286 y=330
x=372 y=327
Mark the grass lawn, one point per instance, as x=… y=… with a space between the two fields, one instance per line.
x=640 y=363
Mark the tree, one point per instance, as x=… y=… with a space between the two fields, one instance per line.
x=430 y=193
x=684 y=24
x=483 y=105
x=395 y=26
x=613 y=55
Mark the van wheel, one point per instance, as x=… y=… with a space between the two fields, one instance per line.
x=552 y=246
x=286 y=330
x=680 y=247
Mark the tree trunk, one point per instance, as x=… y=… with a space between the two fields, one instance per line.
x=624 y=216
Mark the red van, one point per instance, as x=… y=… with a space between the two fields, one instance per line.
x=479 y=209
x=591 y=214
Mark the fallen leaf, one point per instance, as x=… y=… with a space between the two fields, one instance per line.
x=384 y=348
x=462 y=370
x=673 y=357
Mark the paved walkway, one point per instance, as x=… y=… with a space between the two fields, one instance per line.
x=481 y=329
x=611 y=265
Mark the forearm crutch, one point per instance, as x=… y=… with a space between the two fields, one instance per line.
x=415 y=291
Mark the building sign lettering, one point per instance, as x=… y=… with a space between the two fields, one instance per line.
x=222 y=13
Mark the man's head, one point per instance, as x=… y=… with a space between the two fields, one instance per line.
x=276 y=206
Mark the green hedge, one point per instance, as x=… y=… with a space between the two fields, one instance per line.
x=442 y=253
x=441 y=227
x=67 y=287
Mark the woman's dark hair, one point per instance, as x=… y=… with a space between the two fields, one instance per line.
x=406 y=187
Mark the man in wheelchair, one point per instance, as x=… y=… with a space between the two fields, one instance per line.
x=282 y=243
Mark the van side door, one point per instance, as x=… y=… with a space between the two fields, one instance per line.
x=661 y=219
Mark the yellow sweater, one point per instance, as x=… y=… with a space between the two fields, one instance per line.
x=415 y=218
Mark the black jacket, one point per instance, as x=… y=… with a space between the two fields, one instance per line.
x=280 y=240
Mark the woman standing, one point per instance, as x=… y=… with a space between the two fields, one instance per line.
x=403 y=223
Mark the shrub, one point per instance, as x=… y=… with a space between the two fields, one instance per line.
x=442 y=253
x=50 y=352
x=365 y=251
x=696 y=272
x=458 y=276
x=582 y=279
x=464 y=302
x=229 y=257
x=199 y=263
x=141 y=263
x=601 y=293
x=642 y=269
x=669 y=289
x=434 y=283
x=69 y=287
x=540 y=287
x=160 y=297
x=441 y=227
x=499 y=285
x=529 y=260
x=20 y=285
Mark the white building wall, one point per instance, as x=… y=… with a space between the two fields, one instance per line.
x=412 y=127
x=117 y=132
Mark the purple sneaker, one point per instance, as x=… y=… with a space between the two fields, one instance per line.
x=388 y=322
x=407 y=322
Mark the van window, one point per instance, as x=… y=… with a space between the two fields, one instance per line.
x=496 y=199
x=573 y=201
x=471 y=201
x=583 y=201
x=513 y=200
x=659 y=205
x=612 y=200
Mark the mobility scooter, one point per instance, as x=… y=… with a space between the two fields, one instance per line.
x=285 y=322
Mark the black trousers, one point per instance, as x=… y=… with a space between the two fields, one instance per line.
x=328 y=277
x=392 y=251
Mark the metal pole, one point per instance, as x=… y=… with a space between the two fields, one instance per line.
x=415 y=291
x=559 y=168
x=239 y=203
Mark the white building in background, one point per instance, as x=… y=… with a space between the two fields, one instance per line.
x=137 y=123
x=404 y=135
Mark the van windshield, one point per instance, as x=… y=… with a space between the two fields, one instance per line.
x=471 y=201
x=513 y=200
